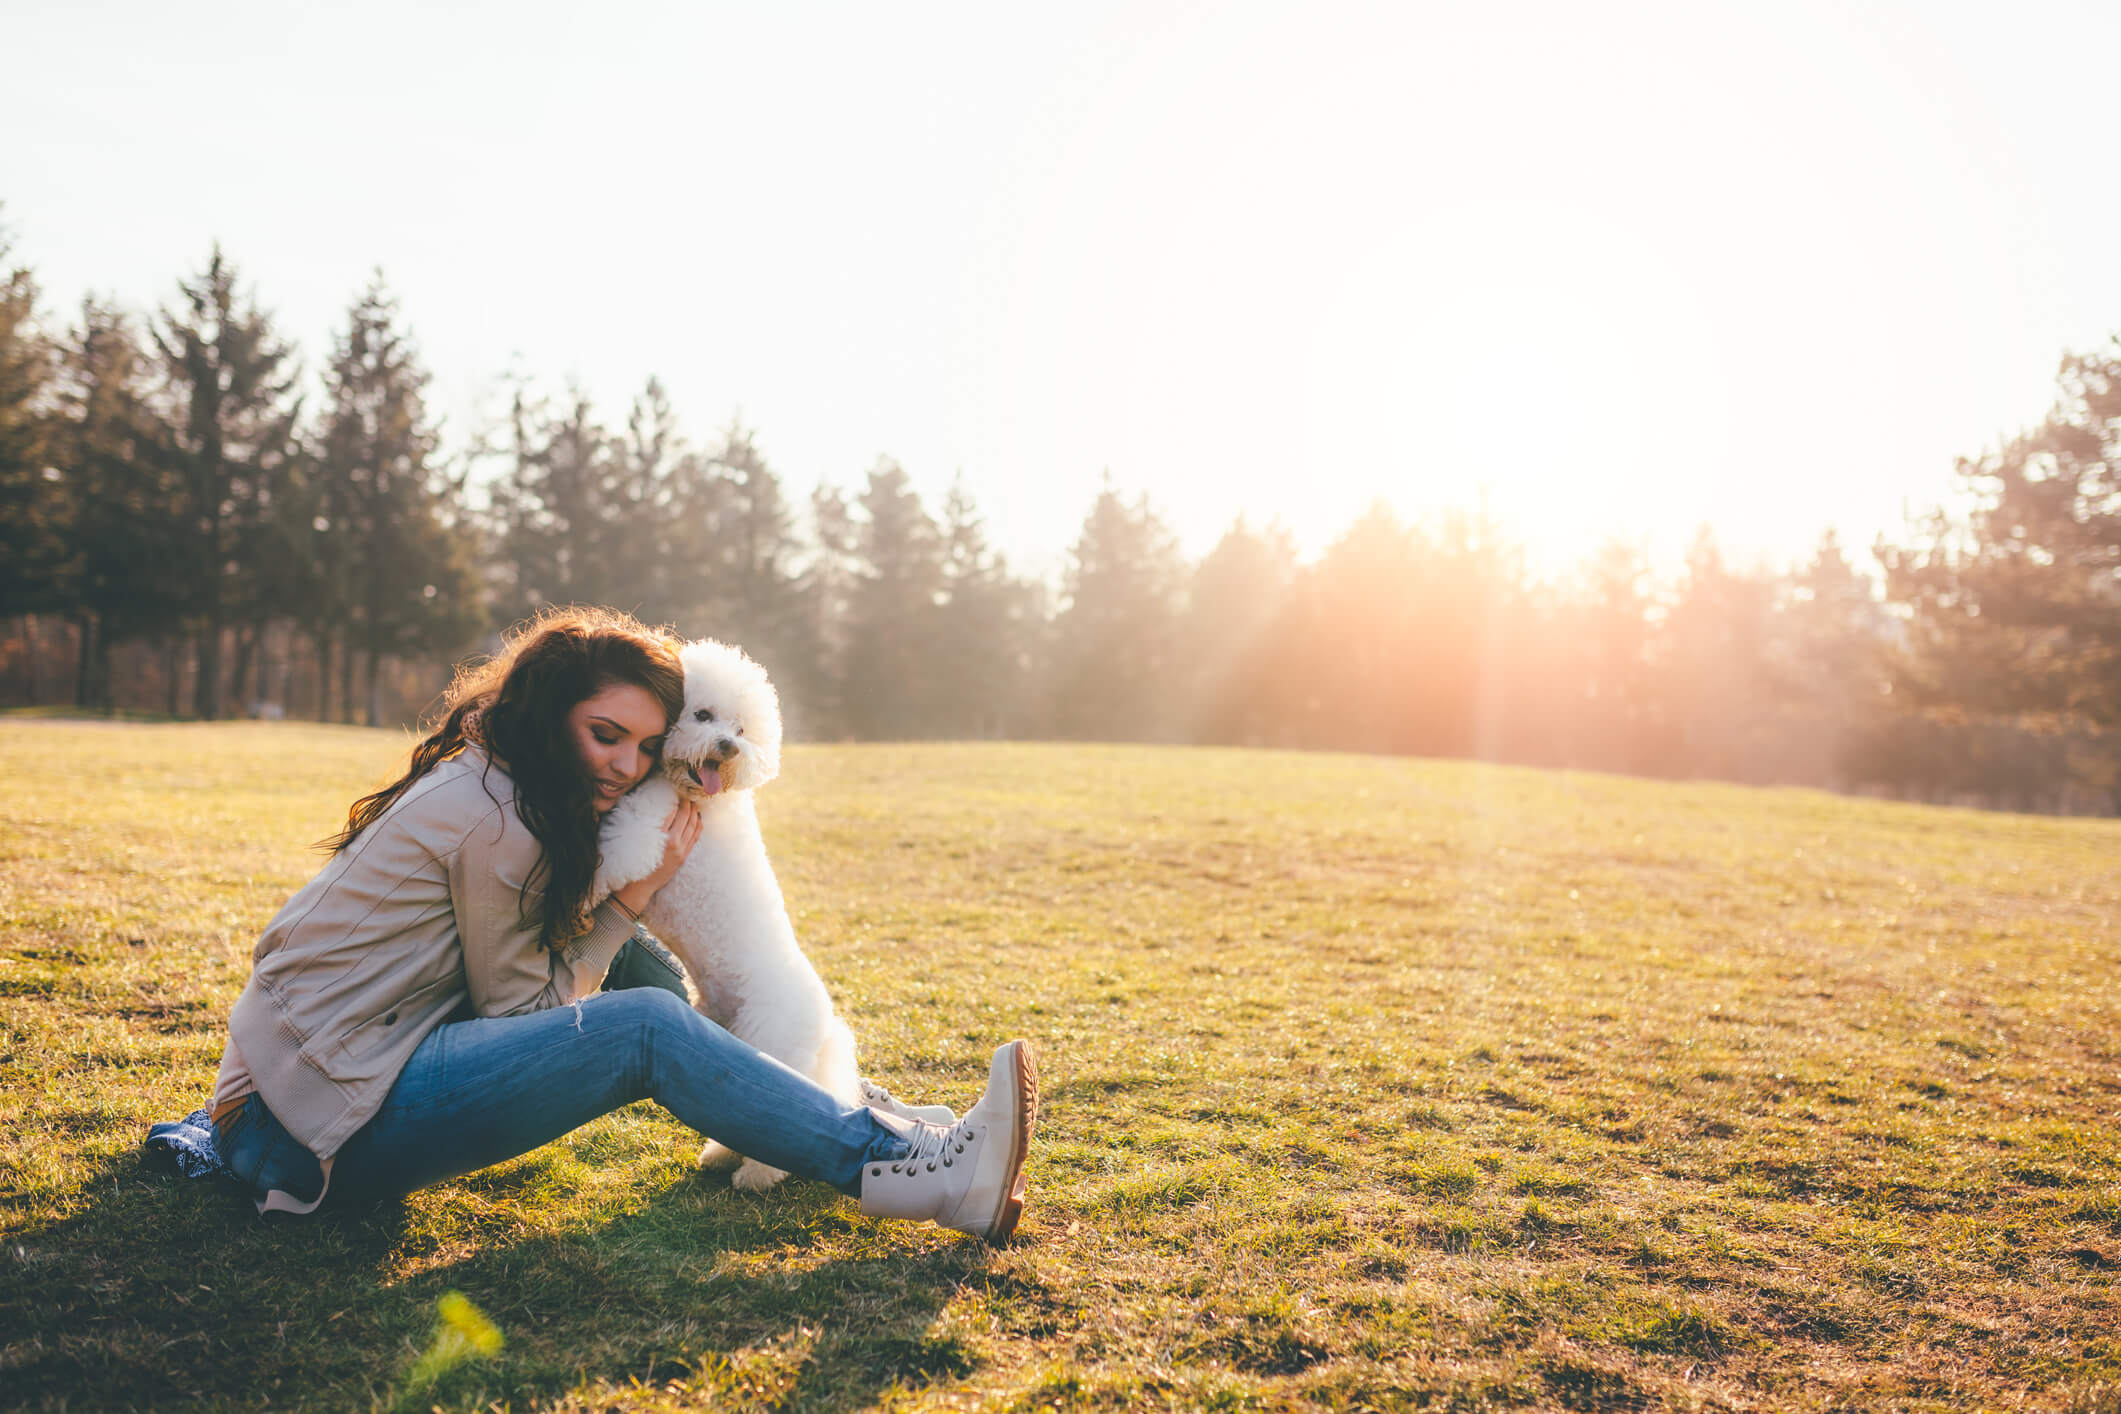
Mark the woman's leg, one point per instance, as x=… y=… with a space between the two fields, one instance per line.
x=478 y=1092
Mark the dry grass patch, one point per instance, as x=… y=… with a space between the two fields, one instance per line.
x=1369 y=1082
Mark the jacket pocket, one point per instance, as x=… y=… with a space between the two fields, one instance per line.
x=377 y=1032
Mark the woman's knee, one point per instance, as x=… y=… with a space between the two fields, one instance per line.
x=669 y=1040
x=654 y=1014
x=661 y=1008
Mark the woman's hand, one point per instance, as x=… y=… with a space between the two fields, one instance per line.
x=680 y=833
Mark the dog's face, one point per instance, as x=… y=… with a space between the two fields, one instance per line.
x=729 y=736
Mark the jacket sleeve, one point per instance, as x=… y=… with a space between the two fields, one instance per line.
x=506 y=969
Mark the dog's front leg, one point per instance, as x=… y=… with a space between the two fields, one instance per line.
x=630 y=842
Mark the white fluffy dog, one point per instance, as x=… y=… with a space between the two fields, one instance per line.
x=722 y=913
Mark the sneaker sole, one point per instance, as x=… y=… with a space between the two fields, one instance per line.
x=1012 y=1207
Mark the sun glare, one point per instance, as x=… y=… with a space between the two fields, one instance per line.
x=1536 y=358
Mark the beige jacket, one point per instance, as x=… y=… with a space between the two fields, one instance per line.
x=424 y=911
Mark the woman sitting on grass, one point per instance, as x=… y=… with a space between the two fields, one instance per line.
x=427 y=1004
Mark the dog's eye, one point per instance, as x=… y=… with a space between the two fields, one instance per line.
x=703 y=714
x=739 y=731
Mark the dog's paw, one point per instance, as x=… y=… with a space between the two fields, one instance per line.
x=755 y=1177
x=630 y=844
x=627 y=855
x=717 y=1156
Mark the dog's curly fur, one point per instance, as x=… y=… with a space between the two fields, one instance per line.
x=722 y=913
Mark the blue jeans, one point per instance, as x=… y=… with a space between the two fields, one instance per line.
x=481 y=1091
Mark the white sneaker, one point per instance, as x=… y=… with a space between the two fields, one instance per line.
x=876 y=1097
x=969 y=1176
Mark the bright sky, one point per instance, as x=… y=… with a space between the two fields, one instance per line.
x=1617 y=268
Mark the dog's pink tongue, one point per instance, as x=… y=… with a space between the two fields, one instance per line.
x=712 y=782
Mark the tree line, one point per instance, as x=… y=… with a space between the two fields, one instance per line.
x=189 y=525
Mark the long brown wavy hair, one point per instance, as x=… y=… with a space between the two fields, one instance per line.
x=515 y=705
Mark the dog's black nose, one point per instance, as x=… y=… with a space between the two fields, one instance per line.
x=725 y=747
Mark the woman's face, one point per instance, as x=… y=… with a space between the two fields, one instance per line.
x=617 y=731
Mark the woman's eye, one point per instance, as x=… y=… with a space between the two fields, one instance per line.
x=607 y=740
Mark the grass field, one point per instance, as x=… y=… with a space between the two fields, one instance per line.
x=1368 y=1083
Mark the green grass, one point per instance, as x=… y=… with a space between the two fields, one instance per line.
x=1368 y=1083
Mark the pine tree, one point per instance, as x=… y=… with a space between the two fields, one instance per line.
x=653 y=524
x=557 y=508
x=230 y=383
x=33 y=534
x=756 y=534
x=892 y=623
x=1713 y=672
x=2017 y=611
x=734 y=564
x=1467 y=616
x=1828 y=652
x=757 y=594
x=1824 y=666
x=1238 y=591
x=131 y=554
x=824 y=592
x=982 y=654
x=409 y=585
x=1115 y=645
x=1357 y=658
x=1615 y=721
x=514 y=513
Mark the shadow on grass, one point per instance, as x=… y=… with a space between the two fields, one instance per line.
x=156 y=1291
